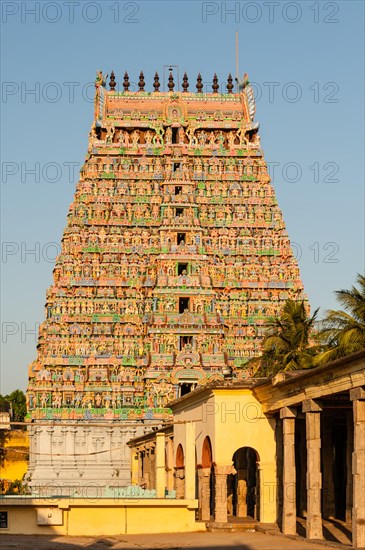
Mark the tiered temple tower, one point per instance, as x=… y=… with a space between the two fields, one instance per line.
x=174 y=255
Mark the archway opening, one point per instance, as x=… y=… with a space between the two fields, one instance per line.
x=244 y=486
x=180 y=472
x=207 y=464
x=180 y=457
x=207 y=456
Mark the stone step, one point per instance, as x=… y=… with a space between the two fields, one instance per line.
x=243 y=524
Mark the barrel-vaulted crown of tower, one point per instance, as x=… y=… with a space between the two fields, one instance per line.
x=174 y=256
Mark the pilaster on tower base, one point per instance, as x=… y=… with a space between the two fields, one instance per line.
x=80 y=459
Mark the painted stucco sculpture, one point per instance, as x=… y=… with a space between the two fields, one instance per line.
x=174 y=255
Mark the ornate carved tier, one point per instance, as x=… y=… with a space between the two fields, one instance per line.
x=174 y=255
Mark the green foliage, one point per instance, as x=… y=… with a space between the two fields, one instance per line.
x=18 y=404
x=288 y=345
x=4 y=436
x=344 y=329
x=18 y=487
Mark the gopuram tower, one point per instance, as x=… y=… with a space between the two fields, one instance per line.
x=174 y=255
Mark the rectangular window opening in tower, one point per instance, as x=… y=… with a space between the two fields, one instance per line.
x=181 y=238
x=179 y=212
x=182 y=268
x=186 y=341
x=174 y=135
x=183 y=304
x=176 y=166
x=178 y=189
x=186 y=388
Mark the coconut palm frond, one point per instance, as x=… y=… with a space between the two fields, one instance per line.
x=287 y=345
x=344 y=331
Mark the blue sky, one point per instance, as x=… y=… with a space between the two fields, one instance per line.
x=305 y=61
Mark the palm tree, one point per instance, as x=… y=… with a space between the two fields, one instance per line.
x=289 y=344
x=344 y=330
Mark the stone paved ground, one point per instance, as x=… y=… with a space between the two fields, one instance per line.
x=181 y=541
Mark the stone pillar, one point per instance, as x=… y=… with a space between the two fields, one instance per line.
x=147 y=467
x=221 y=473
x=241 y=511
x=314 y=477
x=241 y=489
x=152 y=467
x=44 y=446
x=349 y=447
x=204 y=494
x=141 y=454
x=180 y=482
x=303 y=470
x=279 y=469
x=50 y=431
x=160 y=465
x=231 y=490
x=134 y=467
x=288 y=414
x=170 y=464
x=328 y=508
x=87 y=446
x=189 y=460
x=357 y=396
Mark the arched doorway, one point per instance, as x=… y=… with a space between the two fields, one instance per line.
x=207 y=456
x=179 y=457
x=180 y=472
x=244 y=485
x=206 y=481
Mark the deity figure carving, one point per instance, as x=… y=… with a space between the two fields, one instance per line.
x=174 y=254
x=158 y=137
x=148 y=137
x=110 y=131
x=135 y=138
x=168 y=136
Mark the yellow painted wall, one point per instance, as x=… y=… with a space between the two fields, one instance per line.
x=240 y=422
x=233 y=418
x=162 y=519
x=16 y=460
x=98 y=521
x=105 y=517
x=204 y=425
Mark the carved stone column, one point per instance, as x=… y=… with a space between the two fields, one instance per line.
x=152 y=458
x=147 y=467
x=189 y=460
x=160 y=465
x=288 y=414
x=241 y=493
x=180 y=482
x=140 y=455
x=314 y=477
x=204 y=493
x=134 y=466
x=169 y=465
x=302 y=474
x=231 y=490
x=349 y=447
x=328 y=507
x=357 y=396
x=221 y=473
x=241 y=467
x=50 y=431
